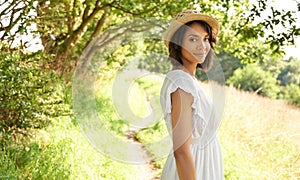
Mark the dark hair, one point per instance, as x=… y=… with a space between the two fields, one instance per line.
x=176 y=43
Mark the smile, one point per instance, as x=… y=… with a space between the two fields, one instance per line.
x=199 y=54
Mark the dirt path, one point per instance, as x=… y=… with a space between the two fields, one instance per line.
x=147 y=171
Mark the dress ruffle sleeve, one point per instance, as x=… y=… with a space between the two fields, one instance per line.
x=181 y=80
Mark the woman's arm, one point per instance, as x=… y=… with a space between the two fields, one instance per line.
x=182 y=133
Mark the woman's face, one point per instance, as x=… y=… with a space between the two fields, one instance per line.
x=195 y=44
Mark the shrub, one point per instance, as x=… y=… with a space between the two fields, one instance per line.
x=291 y=93
x=253 y=78
x=30 y=98
x=290 y=72
x=27 y=92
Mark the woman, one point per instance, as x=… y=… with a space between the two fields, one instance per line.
x=189 y=113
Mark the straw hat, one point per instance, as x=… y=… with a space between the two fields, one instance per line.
x=187 y=16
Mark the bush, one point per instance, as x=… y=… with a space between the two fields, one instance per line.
x=291 y=93
x=29 y=98
x=290 y=72
x=253 y=78
x=27 y=92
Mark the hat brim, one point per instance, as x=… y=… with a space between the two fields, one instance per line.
x=177 y=23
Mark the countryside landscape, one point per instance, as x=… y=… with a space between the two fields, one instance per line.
x=62 y=66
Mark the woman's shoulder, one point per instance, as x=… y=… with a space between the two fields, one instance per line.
x=180 y=79
x=178 y=74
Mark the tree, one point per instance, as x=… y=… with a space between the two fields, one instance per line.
x=291 y=93
x=253 y=78
x=28 y=94
x=290 y=73
x=66 y=27
x=229 y=63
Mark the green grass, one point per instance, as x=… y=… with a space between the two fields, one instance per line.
x=61 y=152
x=259 y=138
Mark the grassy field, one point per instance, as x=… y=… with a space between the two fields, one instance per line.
x=260 y=139
x=61 y=152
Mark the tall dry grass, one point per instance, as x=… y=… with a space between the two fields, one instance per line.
x=260 y=137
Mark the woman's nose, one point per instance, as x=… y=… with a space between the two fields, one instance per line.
x=200 y=45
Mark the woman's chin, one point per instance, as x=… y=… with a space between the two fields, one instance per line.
x=200 y=60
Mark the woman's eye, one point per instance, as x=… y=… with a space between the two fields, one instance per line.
x=193 y=39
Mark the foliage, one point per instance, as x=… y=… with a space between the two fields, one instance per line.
x=229 y=63
x=287 y=74
x=67 y=27
x=290 y=72
x=30 y=99
x=15 y=21
x=277 y=18
x=291 y=93
x=110 y=118
x=28 y=94
x=155 y=59
x=253 y=78
x=274 y=66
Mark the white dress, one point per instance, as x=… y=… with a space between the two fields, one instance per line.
x=205 y=146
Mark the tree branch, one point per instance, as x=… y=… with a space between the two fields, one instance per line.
x=13 y=22
x=86 y=10
x=113 y=34
x=73 y=38
x=105 y=39
x=100 y=23
x=8 y=8
x=70 y=19
x=118 y=6
x=1 y=4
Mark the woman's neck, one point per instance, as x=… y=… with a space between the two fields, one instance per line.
x=190 y=69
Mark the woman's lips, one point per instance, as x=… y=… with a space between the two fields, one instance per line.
x=199 y=54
